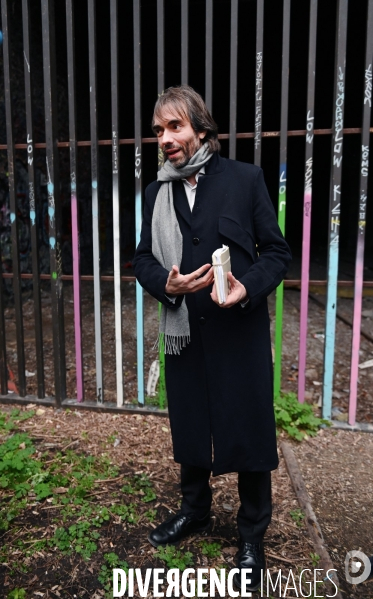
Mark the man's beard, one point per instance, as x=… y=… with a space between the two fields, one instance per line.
x=190 y=148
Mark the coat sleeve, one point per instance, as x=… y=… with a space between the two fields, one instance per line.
x=274 y=253
x=151 y=275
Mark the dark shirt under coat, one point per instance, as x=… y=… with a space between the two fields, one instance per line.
x=220 y=387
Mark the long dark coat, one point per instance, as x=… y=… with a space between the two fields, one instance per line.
x=220 y=387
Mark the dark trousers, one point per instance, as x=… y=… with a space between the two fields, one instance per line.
x=254 y=488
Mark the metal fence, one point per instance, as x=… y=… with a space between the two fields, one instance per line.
x=52 y=147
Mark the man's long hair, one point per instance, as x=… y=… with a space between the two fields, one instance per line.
x=186 y=102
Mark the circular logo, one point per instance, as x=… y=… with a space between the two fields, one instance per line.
x=356 y=566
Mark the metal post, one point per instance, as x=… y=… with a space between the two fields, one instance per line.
x=258 y=82
x=95 y=199
x=334 y=207
x=3 y=365
x=209 y=38
x=184 y=42
x=359 y=265
x=282 y=185
x=54 y=205
x=70 y=32
x=160 y=56
x=116 y=208
x=33 y=202
x=17 y=288
x=160 y=45
x=307 y=202
x=138 y=191
x=233 y=81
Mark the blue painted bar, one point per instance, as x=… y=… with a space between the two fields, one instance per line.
x=334 y=210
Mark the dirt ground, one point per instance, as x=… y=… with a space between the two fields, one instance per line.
x=337 y=465
x=142 y=446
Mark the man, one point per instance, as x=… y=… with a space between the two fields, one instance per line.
x=218 y=357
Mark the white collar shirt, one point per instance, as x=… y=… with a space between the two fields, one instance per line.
x=190 y=190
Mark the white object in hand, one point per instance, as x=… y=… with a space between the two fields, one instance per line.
x=221 y=261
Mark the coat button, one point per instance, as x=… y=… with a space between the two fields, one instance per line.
x=202 y=320
x=195 y=241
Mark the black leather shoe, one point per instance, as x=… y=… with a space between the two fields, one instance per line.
x=176 y=528
x=250 y=555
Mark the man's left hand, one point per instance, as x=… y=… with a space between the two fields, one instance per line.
x=237 y=293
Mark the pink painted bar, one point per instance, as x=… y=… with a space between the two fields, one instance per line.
x=307 y=202
x=77 y=304
x=358 y=298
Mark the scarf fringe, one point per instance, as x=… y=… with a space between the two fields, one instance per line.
x=172 y=344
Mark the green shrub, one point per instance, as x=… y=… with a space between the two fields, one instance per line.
x=296 y=419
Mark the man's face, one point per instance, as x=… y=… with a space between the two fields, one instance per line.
x=176 y=137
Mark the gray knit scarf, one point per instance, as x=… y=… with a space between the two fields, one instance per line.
x=167 y=246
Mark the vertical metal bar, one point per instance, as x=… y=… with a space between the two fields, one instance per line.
x=95 y=199
x=3 y=365
x=160 y=45
x=116 y=208
x=307 y=202
x=138 y=191
x=17 y=288
x=259 y=82
x=160 y=56
x=184 y=42
x=359 y=265
x=33 y=201
x=282 y=185
x=70 y=32
x=209 y=34
x=334 y=207
x=54 y=205
x=233 y=80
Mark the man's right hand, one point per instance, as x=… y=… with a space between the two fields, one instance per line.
x=178 y=284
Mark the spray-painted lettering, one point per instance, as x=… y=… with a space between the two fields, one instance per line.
x=365 y=160
x=308 y=175
x=30 y=148
x=309 y=134
x=338 y=120
x=368 y=86
x=137 y=163
x=258 y=99
x=362 y=211
x=115 y=153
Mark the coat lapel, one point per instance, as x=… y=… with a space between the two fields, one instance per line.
x=181 y=201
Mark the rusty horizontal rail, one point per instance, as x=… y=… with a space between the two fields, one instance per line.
x=149 y=140
x=129 y=278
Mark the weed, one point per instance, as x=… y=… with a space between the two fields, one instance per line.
x=126 y=512
x=140 y=485
x=315 y=559
x=150 y=515
x=174 y=558
x=297 y=419
x=297 y=516
x=78 y=537
x=106 y=571
x=211 y=550
x=17 y=594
